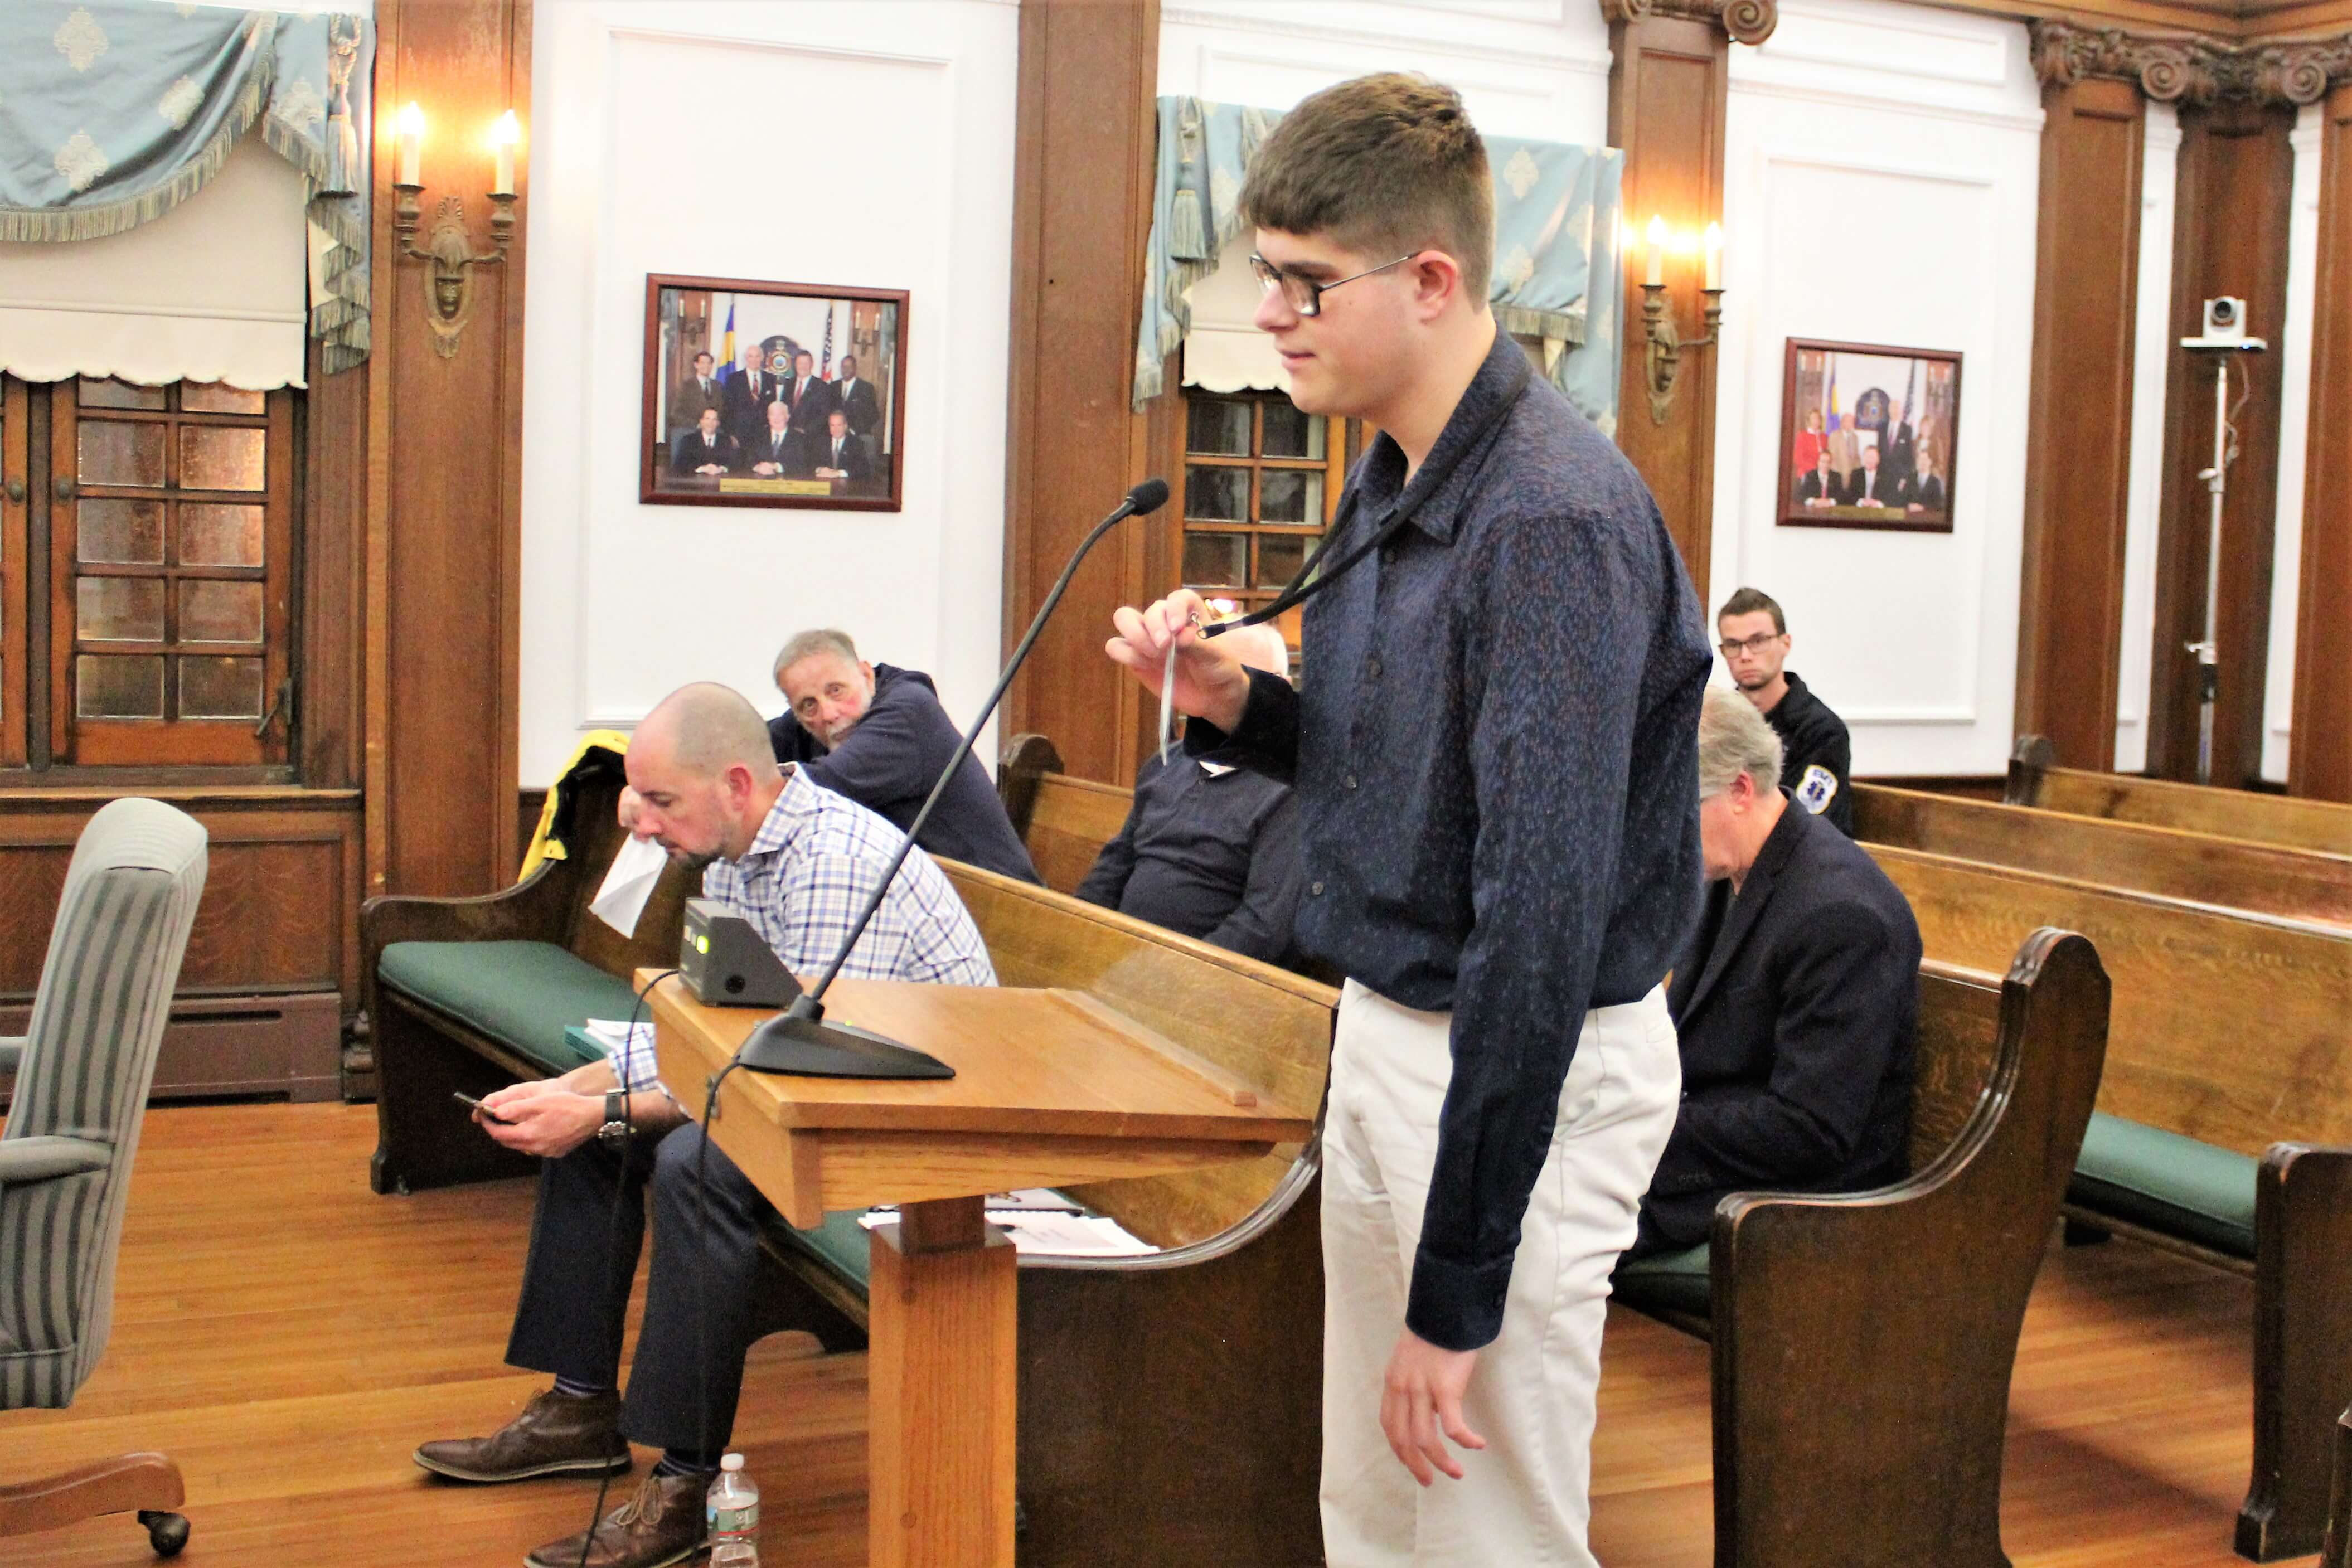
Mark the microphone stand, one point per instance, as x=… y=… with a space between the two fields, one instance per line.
x=799 y=1039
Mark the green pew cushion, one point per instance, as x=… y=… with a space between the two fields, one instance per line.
x=840 y=1244
x=2168 y=1183
x=1670 y=1281
x=521 y=993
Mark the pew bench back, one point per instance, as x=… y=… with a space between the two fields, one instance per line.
x=2036 y=779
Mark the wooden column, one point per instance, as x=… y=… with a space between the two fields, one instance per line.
x=444 y=544
x=1669 y=74
x=2319 y=759
x=1081 y=216
x=2078 y=446
x=2236 y=177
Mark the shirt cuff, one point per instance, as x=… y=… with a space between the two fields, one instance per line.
x=1456 y=1306
x=1269 y=720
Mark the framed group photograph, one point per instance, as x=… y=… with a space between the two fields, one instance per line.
x=1867 y=435
x=773 y=394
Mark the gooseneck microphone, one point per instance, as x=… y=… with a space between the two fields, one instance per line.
x=799 y=1039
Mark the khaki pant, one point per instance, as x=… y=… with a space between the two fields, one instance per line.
x=1522 y=1501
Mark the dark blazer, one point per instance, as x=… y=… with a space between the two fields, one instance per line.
x=889 y=762
x=1797 y=1005
x=1926 y=492
x=746 y=411
x=854 y=461
x=690 y=452
x=1887 y=486
x=1816 y=485
x=810 y=404
x=863 y=404
x=796 y=455
x=687 y=399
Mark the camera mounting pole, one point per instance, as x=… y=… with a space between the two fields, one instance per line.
x=2224 y=335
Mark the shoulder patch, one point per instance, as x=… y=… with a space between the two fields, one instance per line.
x=1816 y=789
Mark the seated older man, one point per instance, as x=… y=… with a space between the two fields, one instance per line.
x=878 y=735
x=1210 y=847
x=798 y=862
x=1796 y=1002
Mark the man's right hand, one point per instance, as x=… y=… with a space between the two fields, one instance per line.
x=1210 y=683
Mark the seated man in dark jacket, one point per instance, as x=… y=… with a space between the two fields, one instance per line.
x=878 y=735
x=1210 y=847
x=1797 y=1002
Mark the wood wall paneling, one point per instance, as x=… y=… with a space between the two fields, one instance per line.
x=2319 y=756
x=2078 y=454
x=1082 y=195
x=1667 y=81
x=2237 y=173
x=444 y=480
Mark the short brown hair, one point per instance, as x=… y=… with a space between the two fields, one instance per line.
x=1747 y=602
x=1387 y=163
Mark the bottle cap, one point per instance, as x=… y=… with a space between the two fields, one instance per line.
x=731 y=1462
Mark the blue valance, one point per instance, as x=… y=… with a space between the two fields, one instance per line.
x=1556 y=275
x=112 y=112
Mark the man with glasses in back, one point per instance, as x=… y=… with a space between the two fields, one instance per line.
x=1817 y=756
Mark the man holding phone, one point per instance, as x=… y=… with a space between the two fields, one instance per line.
x=799 y=862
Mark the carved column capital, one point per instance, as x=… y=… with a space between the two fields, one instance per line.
x=2186 y=68
x=1743 y=21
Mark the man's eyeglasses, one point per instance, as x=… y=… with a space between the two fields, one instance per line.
x=1304 y=296
x=1756 y=644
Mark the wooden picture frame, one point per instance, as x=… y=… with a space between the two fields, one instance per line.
x=749 y=461
x=1867 y=437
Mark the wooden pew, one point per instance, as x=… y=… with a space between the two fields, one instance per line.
x=2036 y=779
x=2234 y=873
x=2336 y=1553
x=2229 y=1031
x=1064 y=821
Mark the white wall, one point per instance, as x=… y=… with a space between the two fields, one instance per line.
x=2153 y=347
x=1881 y=188
x=1534 y=69
x=645 y=117
x=2294 y=343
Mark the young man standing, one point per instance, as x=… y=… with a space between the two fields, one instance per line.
x=1496 y=763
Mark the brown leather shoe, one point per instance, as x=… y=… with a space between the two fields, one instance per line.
x=661 y=1525
x=555 y=1435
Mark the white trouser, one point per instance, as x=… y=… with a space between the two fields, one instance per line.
x=1522 y=1501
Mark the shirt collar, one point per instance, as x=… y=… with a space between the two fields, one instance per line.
x=795 y=808
x=1436 y=493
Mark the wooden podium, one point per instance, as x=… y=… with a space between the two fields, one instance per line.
x=1051 y=1087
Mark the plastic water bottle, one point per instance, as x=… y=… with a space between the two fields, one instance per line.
x=732 y=1516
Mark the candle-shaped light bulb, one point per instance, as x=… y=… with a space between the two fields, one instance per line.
x=1657 y=250
x=1715 y=256
x=504 y=134
x=411 y=142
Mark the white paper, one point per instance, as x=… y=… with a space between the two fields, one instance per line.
x=1050 y=1231
x=628 y=884
x=609 y=1033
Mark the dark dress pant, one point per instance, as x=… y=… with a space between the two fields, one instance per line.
x=701 y=1292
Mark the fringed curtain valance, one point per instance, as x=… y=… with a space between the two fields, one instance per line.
x=1556 y=273
x=113 y=113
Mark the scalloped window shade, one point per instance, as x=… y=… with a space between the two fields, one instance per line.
x=213 y=290
x=1226 y=352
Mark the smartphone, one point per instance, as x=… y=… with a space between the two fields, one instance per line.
x=471 y=1103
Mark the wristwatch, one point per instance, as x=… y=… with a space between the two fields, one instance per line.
x=614 y=1134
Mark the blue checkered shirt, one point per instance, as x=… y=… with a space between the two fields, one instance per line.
x=811 y=868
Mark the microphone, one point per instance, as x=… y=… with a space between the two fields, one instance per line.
x=799 y=1039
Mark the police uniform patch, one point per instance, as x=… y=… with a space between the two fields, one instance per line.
x=1816 y=789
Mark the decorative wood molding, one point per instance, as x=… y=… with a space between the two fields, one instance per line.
x=2184 y=68
x=1742 y=21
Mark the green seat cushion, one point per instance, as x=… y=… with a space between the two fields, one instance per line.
x=2168 y=1183
x=523 y=995
x=840 y=1244
x=1671 y=1281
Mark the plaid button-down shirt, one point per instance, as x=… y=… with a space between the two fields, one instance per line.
x=811 y=868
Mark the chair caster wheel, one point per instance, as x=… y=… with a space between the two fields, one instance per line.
x=166 y=1532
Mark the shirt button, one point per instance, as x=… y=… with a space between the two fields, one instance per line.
x=1316 y=888
x=1351 y=781
x=1373 y=668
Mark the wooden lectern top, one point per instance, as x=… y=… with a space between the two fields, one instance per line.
x=1051 y=1087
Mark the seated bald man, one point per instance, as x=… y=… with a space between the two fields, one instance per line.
x=878 y=735
x=798 y=862
x=1210 y=847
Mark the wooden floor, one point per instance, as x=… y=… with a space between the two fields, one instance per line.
x=289 y=1338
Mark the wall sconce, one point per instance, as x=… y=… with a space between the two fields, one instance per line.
x=1666 y=346
x=448 y=254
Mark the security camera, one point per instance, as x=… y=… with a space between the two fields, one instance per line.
x=2225 y=329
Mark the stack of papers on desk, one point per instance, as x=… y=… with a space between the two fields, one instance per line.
x=1039 y=1220
x=609 y=1034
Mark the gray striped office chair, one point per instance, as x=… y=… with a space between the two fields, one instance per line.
x=82 y=1075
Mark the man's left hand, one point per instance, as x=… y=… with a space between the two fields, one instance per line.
x=549 y=1125
x=1420 y=1398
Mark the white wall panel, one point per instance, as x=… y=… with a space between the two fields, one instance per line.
x=1881 y=188
x=2293 y=341
x=2153 y=346
x=650 y=117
